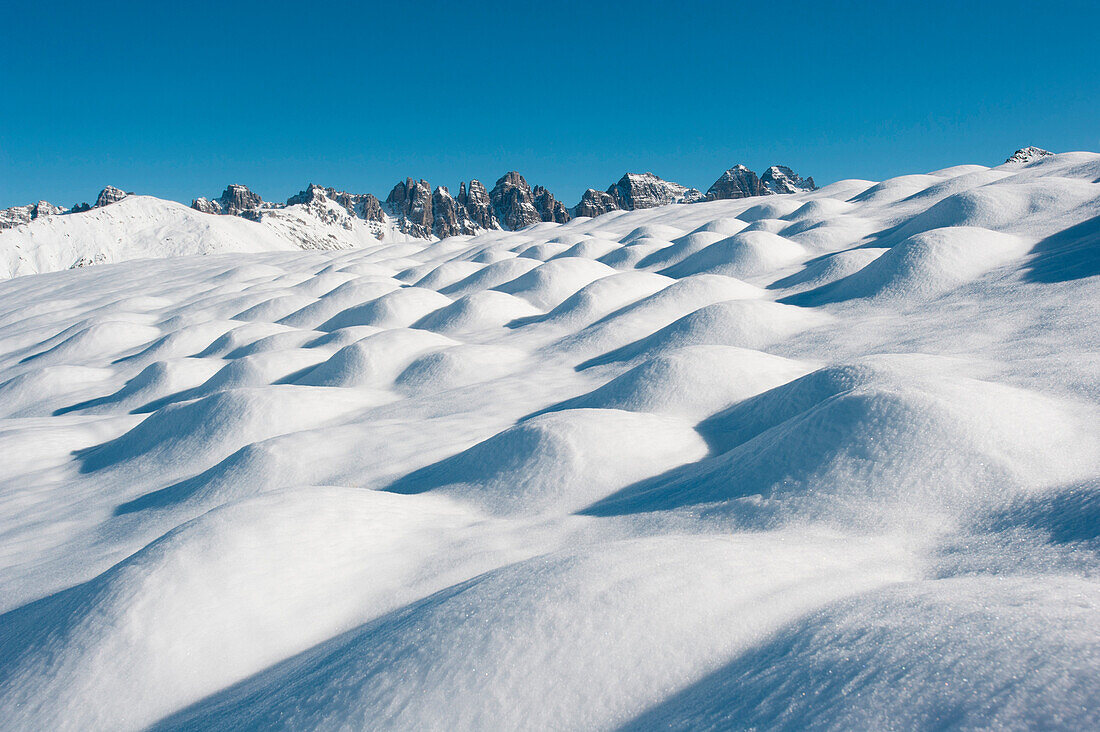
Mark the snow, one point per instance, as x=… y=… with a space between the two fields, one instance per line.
x=827 y=459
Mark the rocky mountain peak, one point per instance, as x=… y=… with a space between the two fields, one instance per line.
x=1028 y=155
x=16 y=215
x=549 y=208
x=362 y=205
x=514 y=202
x=781 y=179
x=237 y=198
x=479 y=207
x=450 y=217
x=736 y=182
x=646 y=190
x=234 y=201
x=109 y=195
x=595 y=203
x=411 y=202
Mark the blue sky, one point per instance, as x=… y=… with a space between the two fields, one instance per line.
x=179 y=99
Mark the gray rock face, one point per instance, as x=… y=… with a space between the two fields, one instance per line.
x=449 y=217
x=319 y=202
x=411 y=203
x=737 y=182
x=740 y=182
x=205 y=205
x=479 y=208
x=362 y=205
x=514 y=202
x=549 y=208
x=236 y=200
x=45 y=208
x=109 y=195
x=371 y=208
x=17 y=215
x=646 y=190
x=595 y=203
x=781 y=179
x=1028 y=155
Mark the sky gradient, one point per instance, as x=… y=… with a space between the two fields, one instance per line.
x=177 y=100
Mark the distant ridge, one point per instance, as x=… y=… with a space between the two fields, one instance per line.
x=419 y=210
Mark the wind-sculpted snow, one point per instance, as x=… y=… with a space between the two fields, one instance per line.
x=825 y=459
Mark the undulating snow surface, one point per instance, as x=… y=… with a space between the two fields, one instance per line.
x=825 y=459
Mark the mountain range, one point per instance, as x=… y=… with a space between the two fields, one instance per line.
x=414 y=208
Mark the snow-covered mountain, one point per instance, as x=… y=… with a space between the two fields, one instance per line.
x=314 y=217
x=825 y=459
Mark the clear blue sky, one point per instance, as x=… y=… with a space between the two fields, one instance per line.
x=179 y=99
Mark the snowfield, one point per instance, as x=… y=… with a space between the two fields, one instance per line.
x=817 y=460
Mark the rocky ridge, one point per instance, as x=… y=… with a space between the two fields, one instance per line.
x=414 y=208
x=16 y=215
x=1028 y=154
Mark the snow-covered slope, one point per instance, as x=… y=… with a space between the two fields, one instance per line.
x=828 y=459
x=140 y=227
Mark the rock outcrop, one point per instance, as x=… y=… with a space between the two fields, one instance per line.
x=449 y=217
x=781 y=179
x=549 y=208
x=410 y=202
x=362 y=205
x=1028 y=155
x=234 y=201
x=16 y=215
x=205 y=205
x=645 y=190
x=740 y=182
x=514 y=202
x=737 y=182
x=595 y=203
x=479 y=208
x=109 y=195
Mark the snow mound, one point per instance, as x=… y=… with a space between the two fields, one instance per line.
x=726 y=226
x=153 y=385
x=491 y=276
x=448 y=273
x=459 y=366
x=476 y=311
x=637 y=602
x=925 y=265
x=661 y=308
x=684 y=246
x=206 y=430
x=375 y=360
x=805 y=448
x=559 y=462
x=140 y=609
x=742 y=255
x=691 y=382
x=397 y=309
x=96 y=342
x=830 y=268
x=880 y=662
x=770 y=209
x=744 y=323
x=601 y=297
x=332 y=303
x=634 y=253
x=548 y=284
